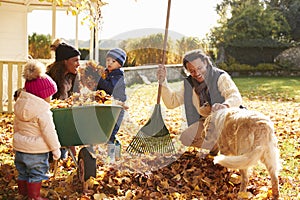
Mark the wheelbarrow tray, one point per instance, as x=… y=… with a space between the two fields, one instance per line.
x=85 y=125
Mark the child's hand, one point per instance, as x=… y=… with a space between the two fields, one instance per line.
x=56 y=154
x=125 y=107
x=104 y=74
x=120 y=103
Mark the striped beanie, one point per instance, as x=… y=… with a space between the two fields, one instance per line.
x=118 y=54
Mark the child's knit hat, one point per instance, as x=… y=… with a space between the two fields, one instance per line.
x=37 y=82
x=118 y=54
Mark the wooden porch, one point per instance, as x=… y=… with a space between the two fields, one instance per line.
x=10 y=80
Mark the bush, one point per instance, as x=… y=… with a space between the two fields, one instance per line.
x=85 y=53
x=241 y=67
x=267 y=67
x=223 y=66
x=237 y=67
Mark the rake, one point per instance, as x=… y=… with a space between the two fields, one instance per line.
x=154 y=137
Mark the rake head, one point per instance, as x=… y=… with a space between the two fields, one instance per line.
x=154 y=137
x=142 y=144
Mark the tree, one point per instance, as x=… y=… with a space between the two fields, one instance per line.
x=149 y=49
x=250 y=32
x=251 y=23
x=187 y=43
x=145 y=50
x=39 y=46
x=290 y=9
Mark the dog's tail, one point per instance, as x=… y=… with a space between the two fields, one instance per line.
x=242 y=161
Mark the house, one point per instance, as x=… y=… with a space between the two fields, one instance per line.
x=14 y=43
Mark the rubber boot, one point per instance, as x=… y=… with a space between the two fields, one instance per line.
x=34 y=191
x=22 y=187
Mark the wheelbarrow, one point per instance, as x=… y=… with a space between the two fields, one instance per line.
x=85 y=126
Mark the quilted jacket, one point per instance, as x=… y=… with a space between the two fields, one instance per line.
x=34 y=129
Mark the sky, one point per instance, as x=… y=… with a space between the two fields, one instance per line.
x=190 y=18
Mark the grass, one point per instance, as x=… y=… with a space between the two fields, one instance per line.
x=269 y=88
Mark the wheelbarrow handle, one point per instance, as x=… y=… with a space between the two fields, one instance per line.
x=55 y=168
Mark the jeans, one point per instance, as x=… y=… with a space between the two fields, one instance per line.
x=32 y=167
x=116 y=128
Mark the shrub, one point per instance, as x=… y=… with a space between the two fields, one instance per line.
x=267 y=67
x=244 y=67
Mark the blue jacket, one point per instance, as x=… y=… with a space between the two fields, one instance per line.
x=114 y=85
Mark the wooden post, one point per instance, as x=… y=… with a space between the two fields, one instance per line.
x=1 y=86
x=9 y=87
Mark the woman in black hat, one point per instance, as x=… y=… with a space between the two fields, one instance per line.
x=64 y=69
x=64 y=72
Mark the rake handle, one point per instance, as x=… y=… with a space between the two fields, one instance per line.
x=164 y=48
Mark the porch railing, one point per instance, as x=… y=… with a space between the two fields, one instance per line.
x=10 y=80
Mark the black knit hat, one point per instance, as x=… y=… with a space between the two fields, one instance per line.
x=118 y=54
x=65 y=51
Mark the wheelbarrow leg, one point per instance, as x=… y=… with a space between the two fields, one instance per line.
x=72 y=156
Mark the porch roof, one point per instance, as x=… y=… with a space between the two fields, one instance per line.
x=35 y=4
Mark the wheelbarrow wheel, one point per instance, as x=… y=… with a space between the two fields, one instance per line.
x=86 y=165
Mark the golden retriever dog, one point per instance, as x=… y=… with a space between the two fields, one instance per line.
x=243 y=138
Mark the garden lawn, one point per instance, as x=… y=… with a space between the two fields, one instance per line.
x=269 y=88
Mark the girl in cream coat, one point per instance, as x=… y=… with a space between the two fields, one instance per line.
x=34 y=131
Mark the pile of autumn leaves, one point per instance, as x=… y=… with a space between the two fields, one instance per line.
x=188 y=174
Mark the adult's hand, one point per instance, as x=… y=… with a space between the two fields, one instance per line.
x=161 y=73
x=218 y=106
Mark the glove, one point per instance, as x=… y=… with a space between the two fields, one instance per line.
x=56 y=154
